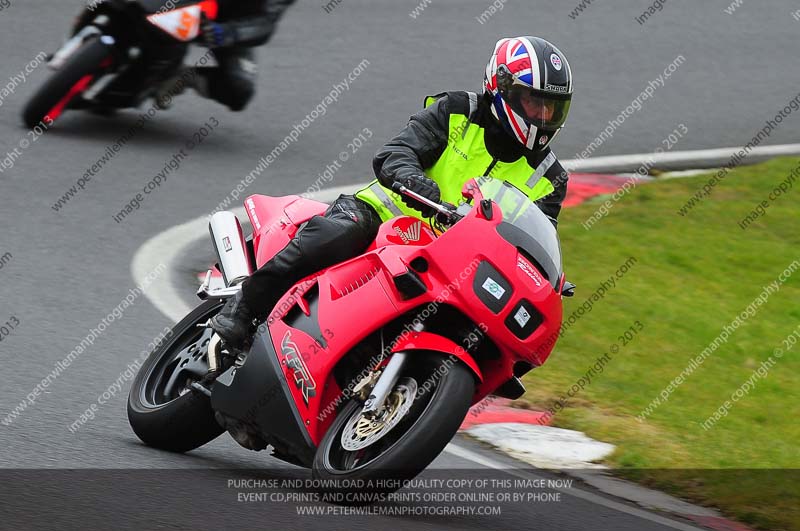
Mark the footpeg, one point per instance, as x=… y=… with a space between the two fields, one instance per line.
x=204 y=293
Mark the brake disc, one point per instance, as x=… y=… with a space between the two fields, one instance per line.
x=361 y=431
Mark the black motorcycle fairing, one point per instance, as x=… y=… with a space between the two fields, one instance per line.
x=257 y=394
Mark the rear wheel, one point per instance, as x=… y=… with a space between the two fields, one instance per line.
x=67 y=83
x=163 y=410
x=423 y=413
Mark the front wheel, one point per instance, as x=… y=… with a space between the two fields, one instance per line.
x=422 y=414
x=67 y=83
x=163 y=410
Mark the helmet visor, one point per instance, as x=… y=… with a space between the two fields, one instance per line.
x=541 y=109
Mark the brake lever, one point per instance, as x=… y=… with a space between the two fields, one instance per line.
x=449 y=218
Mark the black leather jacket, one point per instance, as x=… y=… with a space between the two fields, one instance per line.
x=423 y=140
x=253 y=21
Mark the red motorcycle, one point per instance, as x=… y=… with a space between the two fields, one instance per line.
x=118 y=52
x=365 y=369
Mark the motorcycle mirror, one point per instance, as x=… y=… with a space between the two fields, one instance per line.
x=568 y=290
x=487 y=210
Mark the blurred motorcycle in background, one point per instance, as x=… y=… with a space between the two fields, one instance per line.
x=119 y=52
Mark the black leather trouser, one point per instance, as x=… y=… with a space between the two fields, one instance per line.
x=344 y=231
x=233 y=81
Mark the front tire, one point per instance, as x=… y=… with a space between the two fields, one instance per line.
x=412 y=444
x=163 y=410
x=65 y=84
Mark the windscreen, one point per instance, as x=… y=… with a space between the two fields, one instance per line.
x=519 y=211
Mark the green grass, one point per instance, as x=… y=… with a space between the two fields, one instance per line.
x=693 y=275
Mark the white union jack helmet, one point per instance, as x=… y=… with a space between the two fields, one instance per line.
x=531 y=86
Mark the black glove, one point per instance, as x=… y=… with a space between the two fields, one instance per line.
x=423 y=186
x=216 y=35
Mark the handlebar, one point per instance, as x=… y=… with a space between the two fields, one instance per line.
x=443 y=209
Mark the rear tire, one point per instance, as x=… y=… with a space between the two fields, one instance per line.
x=84 y=62
x=184 y=420
x=418 y=439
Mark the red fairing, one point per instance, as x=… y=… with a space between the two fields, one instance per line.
x=275 y=221
x=435 y=342
x=453 y=260
x=346 y=315
x=405 y=230
x=318 y=323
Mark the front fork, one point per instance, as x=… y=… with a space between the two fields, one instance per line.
x=384 y=385
x=387 y=380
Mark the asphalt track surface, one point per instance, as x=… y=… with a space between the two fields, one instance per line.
x=67 y=270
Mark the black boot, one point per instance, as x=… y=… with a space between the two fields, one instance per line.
x=234 y=322
x=185 y=77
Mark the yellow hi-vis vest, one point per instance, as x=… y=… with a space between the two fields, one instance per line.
x=464 y=158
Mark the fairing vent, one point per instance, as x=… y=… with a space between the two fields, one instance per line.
x=359 y=282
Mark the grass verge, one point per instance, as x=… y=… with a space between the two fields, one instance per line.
x=691 y=277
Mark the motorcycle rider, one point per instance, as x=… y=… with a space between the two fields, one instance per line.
x=240 y=26
x=505 y=133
